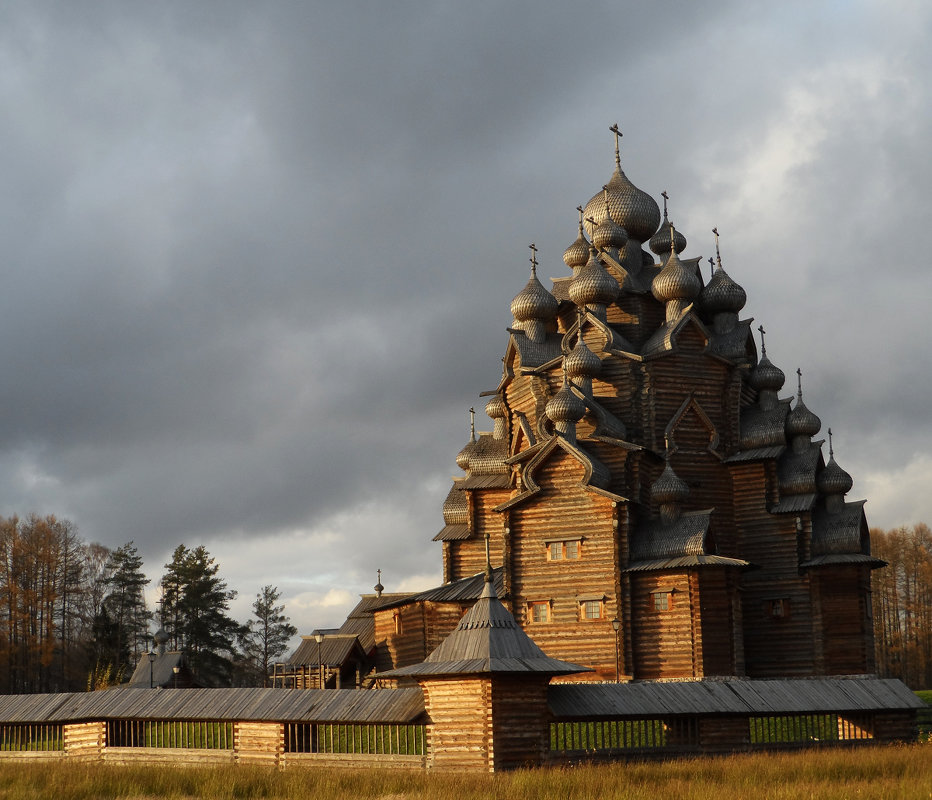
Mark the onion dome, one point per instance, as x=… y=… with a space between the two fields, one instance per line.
x=495 y=408
x=161 y=638
x=582 y=362
x=497 y=411
x=456 y=507
x=766 y=376
x=378 y=584
x=833 y=480
x=565 y=405
x=533 y=301
x=462 y=457
x=675 y=281
x=722 y=294
x=609 y=234
x=577 y=254
x=634 y=210
x=801 y=421
x=669 y=488
x=666 y=235
x=593 y=284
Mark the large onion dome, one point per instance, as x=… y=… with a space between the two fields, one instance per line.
x=534 y=301
x=565 y=405
x=722 y=294
x=675 y=281
x=581 y=361
x=577 y=254
x=593 y=284
x=462 y=457
x=669 y=488
x=635 y=210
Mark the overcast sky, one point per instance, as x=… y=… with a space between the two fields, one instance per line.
x=258 y=257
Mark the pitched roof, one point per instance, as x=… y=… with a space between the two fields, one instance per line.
x=488 y=640
x=465 y=590
x=161 y=671
x=335 y=651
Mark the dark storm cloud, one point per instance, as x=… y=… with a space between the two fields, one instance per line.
x=259 y=258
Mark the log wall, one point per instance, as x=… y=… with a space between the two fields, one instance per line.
x=460 y=736
x=85 y=739
x=564 y=508
x=259 y=743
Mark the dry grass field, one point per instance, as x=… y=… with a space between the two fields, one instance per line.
x=903 y=772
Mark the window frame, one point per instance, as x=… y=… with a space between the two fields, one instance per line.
x=544 y=605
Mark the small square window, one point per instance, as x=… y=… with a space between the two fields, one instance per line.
x=780 y=608
x=565 y=550
x=539 y=612
x=661 y=601
x=592 y=609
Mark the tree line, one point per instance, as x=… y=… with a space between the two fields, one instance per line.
x=73 y=614
x=902 y=604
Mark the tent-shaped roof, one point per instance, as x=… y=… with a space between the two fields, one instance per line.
x=488 y=640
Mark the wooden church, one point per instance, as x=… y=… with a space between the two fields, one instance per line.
x=653 y=503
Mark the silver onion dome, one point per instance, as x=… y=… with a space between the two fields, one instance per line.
x=593 y=284
x=634 y=210
x=766 y=376
x=565 y=406
x=833 y=479
x=669 y=488
x=577 y=254
x=533 y=302
x=721 y=294
x=495 y=408
x=581 y=361
x=660 y=241
x=675 y=281
x=801 y=421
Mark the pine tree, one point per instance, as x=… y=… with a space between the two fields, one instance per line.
x=195 y=602
x=123 y=622
x=268 y=635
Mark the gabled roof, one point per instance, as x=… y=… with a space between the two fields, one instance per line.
x=161 y=672
x=534 y=354
x=465 y=590
x=488 y=640
x=597 y=476
x=663 y=340
x=335 y=651
x=360 y=622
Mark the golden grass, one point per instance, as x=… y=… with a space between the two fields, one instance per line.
x=903 y=772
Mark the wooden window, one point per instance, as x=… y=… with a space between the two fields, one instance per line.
x=567 y=549
x=663 y=601
x=539 y=612
x=396 y=618
x=591 y=609
x=779 y=608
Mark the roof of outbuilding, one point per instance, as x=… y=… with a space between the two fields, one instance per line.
x=488 y=640
x=280 y=705
x=733 y=696
x=161 y=672
x=335 y=651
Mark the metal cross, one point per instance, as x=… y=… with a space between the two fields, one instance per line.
x=614 y=129
x=763 y=347
x=665 y=197
x=533 y=258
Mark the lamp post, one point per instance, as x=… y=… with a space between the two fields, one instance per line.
x=175 y=669
x=151 y=668
x=616 y=626
x=319 y=638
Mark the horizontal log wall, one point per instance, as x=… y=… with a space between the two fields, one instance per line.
x=259 y=742
x=86 y=739
x=460 y=737
x=564 y=508
x=662 y=640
